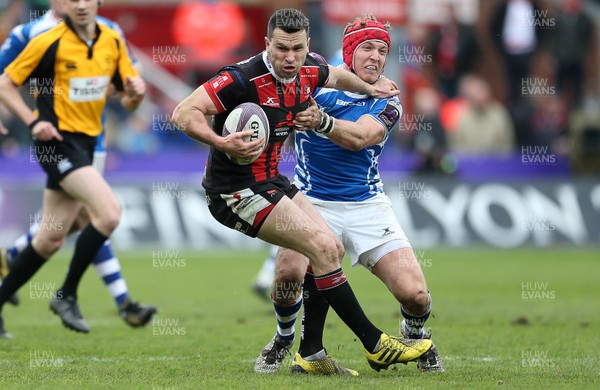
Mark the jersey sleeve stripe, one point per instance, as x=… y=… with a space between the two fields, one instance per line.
x=46 y=69
x=215 y=99
x=117 y=80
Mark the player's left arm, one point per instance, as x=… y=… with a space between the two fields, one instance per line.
x=342 y=79
x=345 y=80
x=127 y=81
x=134 y=91
x=370 y=129
x=366 y=131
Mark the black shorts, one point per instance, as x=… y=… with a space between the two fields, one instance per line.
x=59 y=158
x=246 y=210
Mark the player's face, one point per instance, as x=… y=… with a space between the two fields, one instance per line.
x=81 y=12
x=369 y=60
x=287 y=52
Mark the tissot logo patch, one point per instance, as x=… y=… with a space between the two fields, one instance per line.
x=88 y=89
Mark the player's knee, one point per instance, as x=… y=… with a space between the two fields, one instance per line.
x=287 y=285
x=291 y=265
x=286 y=292
x=418 y=301
x=109 y=220
x=327 y=250
x=47 y=245
x=422 y=300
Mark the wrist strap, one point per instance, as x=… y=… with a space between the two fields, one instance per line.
x=32 y=124
x=327 y=123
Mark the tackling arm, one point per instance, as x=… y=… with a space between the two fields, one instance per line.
x=354 y=136
x=345 y=80
x=358 y=135
x=364 y=132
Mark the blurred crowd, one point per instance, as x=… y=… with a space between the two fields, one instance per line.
x=524 y=76
x=522 y=73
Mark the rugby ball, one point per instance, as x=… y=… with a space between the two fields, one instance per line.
x=247 y=116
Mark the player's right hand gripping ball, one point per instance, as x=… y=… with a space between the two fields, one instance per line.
x=247 y=116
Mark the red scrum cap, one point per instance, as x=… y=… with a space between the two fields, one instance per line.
x=362 y=30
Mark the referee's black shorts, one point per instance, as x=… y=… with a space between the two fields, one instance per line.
x=59 y=158
x=246 y=210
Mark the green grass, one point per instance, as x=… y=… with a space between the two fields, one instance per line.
x=211 y=327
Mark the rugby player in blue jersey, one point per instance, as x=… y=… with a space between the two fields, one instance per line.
x=106 y=263
x=337 y=170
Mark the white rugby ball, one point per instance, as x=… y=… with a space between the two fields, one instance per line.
x=247 y=116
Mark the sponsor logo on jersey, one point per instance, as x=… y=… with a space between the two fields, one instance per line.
x=308 y=71
x=271 y=101
x=345 y=103
x=88 y=89
x=267 y=91
x=306 y=88
x=287 y=122
x=221 y=81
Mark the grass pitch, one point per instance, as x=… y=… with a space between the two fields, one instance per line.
x=526 y=318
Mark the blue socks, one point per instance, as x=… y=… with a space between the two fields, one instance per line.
x=286 y=319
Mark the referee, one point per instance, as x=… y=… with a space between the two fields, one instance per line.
x=72 y=66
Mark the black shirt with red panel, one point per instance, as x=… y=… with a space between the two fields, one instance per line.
x=254 y=80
